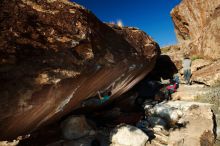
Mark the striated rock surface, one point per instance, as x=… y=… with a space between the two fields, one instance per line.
x=209 y=75
x=197 y=26
x=191 y=16
x=54 y=54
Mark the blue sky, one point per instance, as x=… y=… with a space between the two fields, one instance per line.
x=151 y=16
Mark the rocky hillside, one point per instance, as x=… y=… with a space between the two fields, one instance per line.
x=55 y=54
x=197 y=27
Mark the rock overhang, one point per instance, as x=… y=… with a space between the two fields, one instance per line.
x=56 y=54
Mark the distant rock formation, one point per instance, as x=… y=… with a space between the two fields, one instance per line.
x=54 y=54
x=197 y=27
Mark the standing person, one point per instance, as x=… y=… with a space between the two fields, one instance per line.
x=187 y=69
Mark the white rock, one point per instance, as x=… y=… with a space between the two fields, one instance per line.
x=9 y=143
x=170 y=114
x=127 y=135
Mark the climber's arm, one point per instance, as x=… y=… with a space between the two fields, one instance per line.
x=100 y=97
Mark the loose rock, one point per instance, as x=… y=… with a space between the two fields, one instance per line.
x=127 y=135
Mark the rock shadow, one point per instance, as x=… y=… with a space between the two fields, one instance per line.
x=164 y=68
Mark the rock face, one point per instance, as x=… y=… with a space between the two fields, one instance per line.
x=197 y=26
x=54 y=54
x=209 y=75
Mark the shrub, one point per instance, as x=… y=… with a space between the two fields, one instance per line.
x=195 y=57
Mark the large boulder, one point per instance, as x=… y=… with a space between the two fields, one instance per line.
x=127 y=135
x=53 y=55
x=197 y=23
x=75 y=127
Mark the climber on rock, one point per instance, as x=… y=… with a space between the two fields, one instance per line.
x=171 y=88
x=97 y=100
x=187 y=68
x=105 y=96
